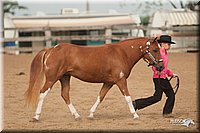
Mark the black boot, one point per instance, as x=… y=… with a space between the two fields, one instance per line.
x=168 y=115
x=134 y=105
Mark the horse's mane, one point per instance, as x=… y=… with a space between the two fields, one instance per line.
x=132 y=39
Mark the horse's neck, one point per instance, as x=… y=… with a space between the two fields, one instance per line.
x=133 y=51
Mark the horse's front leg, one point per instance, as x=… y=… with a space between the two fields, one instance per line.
x=65 y=83
x=105 y=88
x=122 y=84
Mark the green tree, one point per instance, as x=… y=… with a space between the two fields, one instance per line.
x=189 y=5
x=11 y=6
x=145 y=20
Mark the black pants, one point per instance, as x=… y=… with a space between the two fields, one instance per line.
x=161 y=85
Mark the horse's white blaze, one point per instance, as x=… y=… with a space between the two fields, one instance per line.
x=130 y=105
x=73 y=110
x=40 y=103
x=121 y=75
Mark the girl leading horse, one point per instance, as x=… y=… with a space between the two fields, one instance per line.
x=108 y=64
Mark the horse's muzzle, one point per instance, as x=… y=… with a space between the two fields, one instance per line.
x=159 y=66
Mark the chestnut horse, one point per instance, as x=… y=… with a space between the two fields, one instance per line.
x=108 y=64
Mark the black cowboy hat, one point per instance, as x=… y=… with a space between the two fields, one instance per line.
x=166 y=38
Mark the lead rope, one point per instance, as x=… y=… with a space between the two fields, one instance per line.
x=177 y=83
x=175 y=88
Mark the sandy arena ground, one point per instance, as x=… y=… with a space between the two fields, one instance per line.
x=113 y=113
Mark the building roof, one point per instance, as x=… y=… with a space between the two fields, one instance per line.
x=75 y=21
x=174 y=18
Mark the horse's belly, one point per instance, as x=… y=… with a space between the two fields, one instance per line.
x=92 y=77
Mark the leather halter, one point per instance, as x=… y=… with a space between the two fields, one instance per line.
x=147 y=51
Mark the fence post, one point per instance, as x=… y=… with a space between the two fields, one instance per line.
x=108 y=35
x=48 y=37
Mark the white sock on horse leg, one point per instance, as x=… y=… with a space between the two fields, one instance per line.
x=73 y=110
x=93 y=109
x=130 y=105
x=40 y=103
x=129 y=101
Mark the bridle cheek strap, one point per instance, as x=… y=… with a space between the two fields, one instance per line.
x=149 y=54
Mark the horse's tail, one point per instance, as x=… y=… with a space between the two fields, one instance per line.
x=36 y=80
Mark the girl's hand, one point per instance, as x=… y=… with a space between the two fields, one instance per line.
x=174 y=75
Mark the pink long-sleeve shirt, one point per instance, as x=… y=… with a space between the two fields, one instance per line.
x=165 y=72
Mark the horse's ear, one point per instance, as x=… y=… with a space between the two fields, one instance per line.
x=155 y=39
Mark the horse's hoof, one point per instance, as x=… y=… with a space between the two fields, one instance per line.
x=33 y=120
x=135 y=116
x=90 y=118
x=78 y=118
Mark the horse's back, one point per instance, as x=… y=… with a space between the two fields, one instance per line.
x=91 y=55
x=85 y=51
x=88 y=63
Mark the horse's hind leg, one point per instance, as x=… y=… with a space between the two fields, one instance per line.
x=105 y=88
x=43 y=93
x=65 y=83
x=122 y=84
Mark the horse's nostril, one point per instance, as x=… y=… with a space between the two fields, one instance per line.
x=161 y=67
